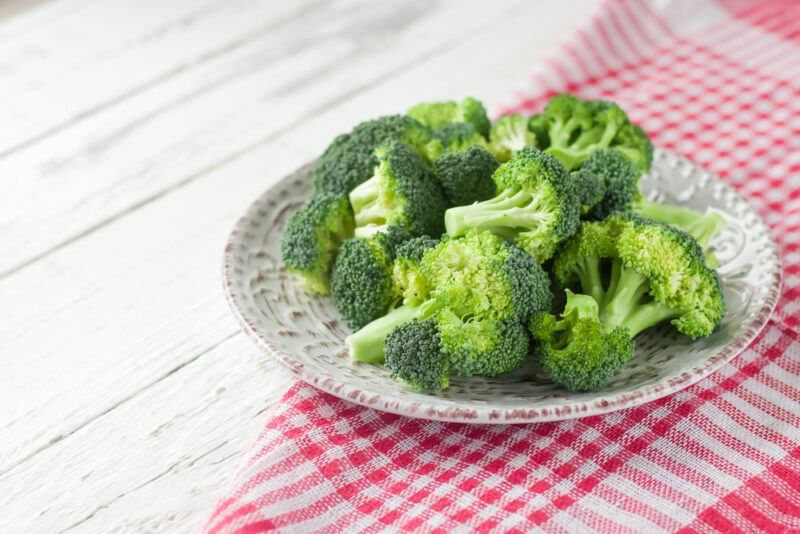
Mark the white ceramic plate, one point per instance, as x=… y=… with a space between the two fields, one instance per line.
x=307 y=335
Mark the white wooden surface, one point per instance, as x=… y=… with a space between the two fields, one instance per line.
x=132 y=135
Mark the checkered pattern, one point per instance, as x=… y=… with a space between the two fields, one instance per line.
x=720 y=83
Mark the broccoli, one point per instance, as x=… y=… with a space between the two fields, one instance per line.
x=466 y=177
x=571 y=129
x=351 y=159
x=612 y=175
x=576 y=351
x=536 y=206
x=361 y=281
x=408 y=283
x=702 y=226
x=437 y=114
x=619 y=178
x=402 y=192
x=509 y=134
x=638 y=273
x=479 y=286
x=455 y=138
x=657 y=272
x=414 y=355
x=312 y=237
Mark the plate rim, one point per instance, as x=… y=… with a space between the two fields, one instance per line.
x=547 y=412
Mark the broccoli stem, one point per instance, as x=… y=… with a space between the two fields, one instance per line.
x=624 y=305
x=365 y=194
x=366 y=345
x=588 y=272
x=510 y=210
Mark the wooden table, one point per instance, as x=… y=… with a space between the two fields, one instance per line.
x=133 y=133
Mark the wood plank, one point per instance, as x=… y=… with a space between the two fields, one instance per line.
x=131 y=316
x=73 y=182
x=160 y=462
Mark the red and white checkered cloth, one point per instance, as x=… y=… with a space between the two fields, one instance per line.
x=720 y=83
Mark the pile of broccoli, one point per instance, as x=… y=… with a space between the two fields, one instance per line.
x=456 y=246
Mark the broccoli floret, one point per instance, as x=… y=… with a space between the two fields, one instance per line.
x=509 y=134
x=361 y=281
x=577 y=351
x=656 y=273
x=473 y=279
x=437 y=114
x=402 y=192
x=575 y=128
x=350 y=159
x=632 y=273
x=536 y=206
x=612 y=173
x=409 y=284
x=312 y=238
x=466 y=177
x=414 y=355
x=702 y=226
x=482 y=347
x=457 y=137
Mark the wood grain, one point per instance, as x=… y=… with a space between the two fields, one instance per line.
x=128 y=394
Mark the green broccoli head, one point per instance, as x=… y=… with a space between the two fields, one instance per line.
x=577 y=351
x=456 y=137
x=361 y=281
x=509 y=134
x=536 y=206
x=482 y=347
x=702 y=226
x=571 y=129
x=466 y=177
x=414 y=355
x=475 y=278
x=409 y=283
x=351 y=159
x=437 y=114
x=614 y=176
x=402 y=192
x=312 y=238
x=656 y=273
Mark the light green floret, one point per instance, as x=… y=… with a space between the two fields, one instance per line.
x=656 y=273
x=510 y=134
x=312 y=238
x=631 y=274
x=535 y=206
x=402 y=192
x=438 y=114
x=571 y=129
x=475 y=279
x=409 y=283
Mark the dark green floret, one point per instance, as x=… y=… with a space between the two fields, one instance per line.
x=510 y=134
x=455 y=137
x=577 y=351
x=466 y=177
x=571 y=129
x=361 y=281
x=414 y=355
x=402 y=192
x=312 y=238
x=350 y=159
x=437 y=114
x=536 y=206
x=615 y=176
